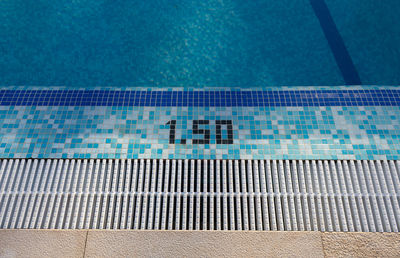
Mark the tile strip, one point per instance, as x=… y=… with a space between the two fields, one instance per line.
x=203 y=98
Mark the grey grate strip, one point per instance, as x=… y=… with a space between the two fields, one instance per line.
x=200 y=194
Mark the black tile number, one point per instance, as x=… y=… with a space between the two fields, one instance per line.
x=220 y=125
x=205 y=132
x=172 y=125
x=229 y=127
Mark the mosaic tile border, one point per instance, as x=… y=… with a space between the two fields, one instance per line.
x=175 y=123
x=205 y=98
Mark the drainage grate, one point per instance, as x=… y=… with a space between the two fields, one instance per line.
x=200 y=194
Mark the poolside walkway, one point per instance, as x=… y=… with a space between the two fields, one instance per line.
x=123 y=243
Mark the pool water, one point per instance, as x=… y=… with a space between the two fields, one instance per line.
x=170 y=43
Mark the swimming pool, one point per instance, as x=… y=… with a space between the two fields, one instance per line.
x=224 y=43
x=211 y=79
x=192 y=115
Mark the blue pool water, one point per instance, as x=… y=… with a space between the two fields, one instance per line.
x=371 y=31
x=170 y=43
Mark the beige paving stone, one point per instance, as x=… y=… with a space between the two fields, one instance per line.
x=361 y=244
x=203 y=244
x=42 y=243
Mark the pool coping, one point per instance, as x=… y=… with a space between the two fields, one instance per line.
x=118 y=243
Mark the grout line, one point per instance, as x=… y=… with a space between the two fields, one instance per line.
x=84 y=250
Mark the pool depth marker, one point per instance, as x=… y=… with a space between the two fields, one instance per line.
x=336 y=43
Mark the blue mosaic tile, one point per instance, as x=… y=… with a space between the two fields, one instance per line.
x=195 y=124
x=201 y=98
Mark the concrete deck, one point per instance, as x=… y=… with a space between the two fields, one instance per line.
x=111 y=243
